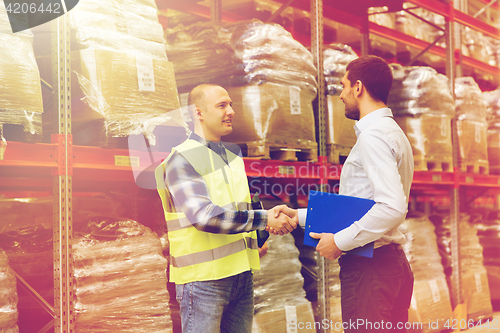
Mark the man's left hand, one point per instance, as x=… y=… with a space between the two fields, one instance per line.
x=326 y=246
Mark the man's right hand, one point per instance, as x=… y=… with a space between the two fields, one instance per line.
x=281 y=224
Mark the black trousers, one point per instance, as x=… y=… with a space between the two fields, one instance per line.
x=376 y=292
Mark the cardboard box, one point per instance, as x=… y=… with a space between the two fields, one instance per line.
x=339 y=130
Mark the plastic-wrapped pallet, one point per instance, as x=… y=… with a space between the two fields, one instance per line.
x=492 y=99
x=122 y=81
x=8 y=297
x=380 y=46
x=475 y=289
x=21 y=94
x=272 y=114
x=431 y=298
x=423 y=107
x=279 y=297
x=336 y=325
x=249 y=52
x=339 y=130
x=488 y=232
x=471 y=126
x=120 y=278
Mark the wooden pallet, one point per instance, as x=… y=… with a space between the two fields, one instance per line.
x=433 y=164
x=476 y=167
x=336 y=154
x=277 y=151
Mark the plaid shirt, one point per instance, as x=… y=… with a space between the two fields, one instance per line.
x=191 y=196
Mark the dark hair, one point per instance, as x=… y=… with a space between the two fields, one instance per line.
x=374 y=73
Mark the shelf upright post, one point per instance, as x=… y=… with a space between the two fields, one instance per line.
x=62 y=177
x=455 y=194
x=317 y=52
x=216 y=10
x=365 y=35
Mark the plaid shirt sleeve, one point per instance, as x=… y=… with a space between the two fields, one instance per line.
x=191 y=196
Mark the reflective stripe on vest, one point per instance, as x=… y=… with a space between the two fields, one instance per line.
x=214 y=254
x=174 y=223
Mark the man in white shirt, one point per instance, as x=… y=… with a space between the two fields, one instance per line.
x=376 y=292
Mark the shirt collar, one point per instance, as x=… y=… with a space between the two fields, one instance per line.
x=217 y=147
x=371 y=118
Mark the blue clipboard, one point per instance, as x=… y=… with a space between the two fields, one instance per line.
x=329 y=212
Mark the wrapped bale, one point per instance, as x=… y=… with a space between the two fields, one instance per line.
x=471 y=126
x=475 y=289
x=488 y=232
x=380 y=46
x=423 y=107
x=279 y=309
x=8 y=297
x=269 y=115
x=340 y=132
x=120 y=278
x=336 y=325
x=249 y=52
x=122 y=81
x=492 y=99
x=30 y=253
x=431 y=298
x=21 y=95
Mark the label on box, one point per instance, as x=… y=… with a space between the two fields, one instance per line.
x=294 y=99
x=127 y=161
x=183 y=99
x=477 y=133
x=291 y=318
x=436 y=297
x=479 y=286
x=145 y=73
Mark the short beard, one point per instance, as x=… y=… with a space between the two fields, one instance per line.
x=352 y=113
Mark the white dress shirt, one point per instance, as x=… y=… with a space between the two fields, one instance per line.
x=379 y=167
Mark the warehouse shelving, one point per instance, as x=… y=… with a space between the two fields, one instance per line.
x=61 y=168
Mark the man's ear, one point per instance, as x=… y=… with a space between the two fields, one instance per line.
x=358 y=88
x=198 y=113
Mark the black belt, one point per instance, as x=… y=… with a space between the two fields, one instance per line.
x=389 y=247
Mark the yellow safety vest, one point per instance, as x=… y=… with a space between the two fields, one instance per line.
x=201 y=256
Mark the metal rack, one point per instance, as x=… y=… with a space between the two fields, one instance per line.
x=61 y=165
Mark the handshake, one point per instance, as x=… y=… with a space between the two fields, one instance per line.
x=281 y=220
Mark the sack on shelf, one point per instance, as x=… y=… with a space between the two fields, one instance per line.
x=8 y=297
x=272 y=113
x=120 y=278
x=339 y=130
x=431 y=298
x=21 y=95
x=278 y=307
x=471 y=126
x=475 y=289
x=423 y=107
x=242 y=53
x=492 y=99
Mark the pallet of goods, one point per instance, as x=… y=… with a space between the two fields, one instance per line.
x=430 y=304
x=423 y=107
x=471 y=127
x=279 y=309
x=492 y=99
x=122 y=81
x=340 y=135
x=269 y=76
x=21 y=105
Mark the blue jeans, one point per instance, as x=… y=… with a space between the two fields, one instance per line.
x=224 y=305
x=376 y=292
